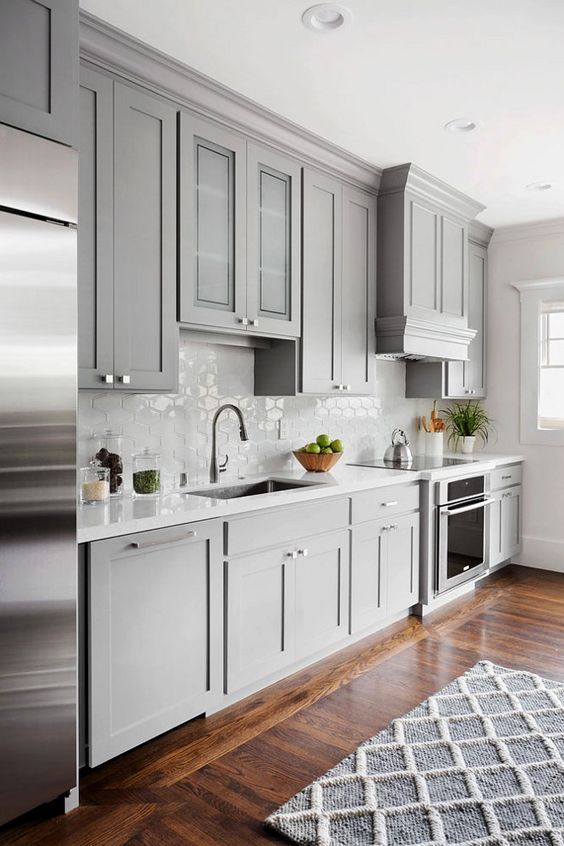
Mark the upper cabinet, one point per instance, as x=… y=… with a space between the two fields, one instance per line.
x=39 y=67
x=461 y=379
x=339 y=287
x=239 y=233
x=422 y=266
x=127 y=244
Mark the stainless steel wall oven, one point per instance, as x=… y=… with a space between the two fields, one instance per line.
x=462 y=521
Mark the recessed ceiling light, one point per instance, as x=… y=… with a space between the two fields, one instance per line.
x=326 y=17
x=461 y=125
x=539 y=186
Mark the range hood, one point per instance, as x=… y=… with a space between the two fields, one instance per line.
x=422 y=301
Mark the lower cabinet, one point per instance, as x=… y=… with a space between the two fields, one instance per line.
x=385 y=570
x=505 y=525
x=154 y=619
x=284 y=604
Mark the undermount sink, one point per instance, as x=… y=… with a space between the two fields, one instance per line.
x=265 y=486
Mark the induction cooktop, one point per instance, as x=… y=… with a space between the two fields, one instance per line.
x=419 y=462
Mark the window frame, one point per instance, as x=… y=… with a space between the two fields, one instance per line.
x=532 y=295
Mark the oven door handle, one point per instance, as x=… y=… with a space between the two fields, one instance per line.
x=447 y=512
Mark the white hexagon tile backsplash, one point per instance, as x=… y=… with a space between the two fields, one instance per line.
x=179 y=425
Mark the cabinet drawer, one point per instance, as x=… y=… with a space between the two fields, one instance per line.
x=382 y=502
x=284 y=525
x=503 y=477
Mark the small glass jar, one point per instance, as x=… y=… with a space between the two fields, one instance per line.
x=146 y=473
x=94 y=484
x=107 y=449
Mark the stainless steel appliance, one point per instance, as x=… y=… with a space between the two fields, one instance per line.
x=38 y=195
x=461 y=511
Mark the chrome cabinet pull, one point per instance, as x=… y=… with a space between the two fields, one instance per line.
x=108 y=378
x=303 y=552
x=509 y=476
x=389 y=504
x=253 y=322
x=347 y=387
x=448 y=512
x=163 y=541
x=292 y=554
x=126 y=379
x=338 y=387
x=243 y=321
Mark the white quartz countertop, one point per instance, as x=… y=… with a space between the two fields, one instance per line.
x=125 y=515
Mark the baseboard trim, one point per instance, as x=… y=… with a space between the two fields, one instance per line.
x=541 y=554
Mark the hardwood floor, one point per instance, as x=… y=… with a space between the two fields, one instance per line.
x=213 y=781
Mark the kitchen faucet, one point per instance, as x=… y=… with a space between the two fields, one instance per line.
x=214 y=469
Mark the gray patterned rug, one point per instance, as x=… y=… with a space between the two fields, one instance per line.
x=480 y=763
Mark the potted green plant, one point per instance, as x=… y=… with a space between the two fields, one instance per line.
x=465 y=422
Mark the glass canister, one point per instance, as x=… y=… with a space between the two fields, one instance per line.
x=94 y=484
x=146 y=473
x=108 y=452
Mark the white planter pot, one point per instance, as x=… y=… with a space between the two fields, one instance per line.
x=467 y=446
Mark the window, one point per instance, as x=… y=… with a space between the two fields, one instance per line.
x=542 y=361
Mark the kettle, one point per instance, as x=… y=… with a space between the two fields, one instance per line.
x=399 y=452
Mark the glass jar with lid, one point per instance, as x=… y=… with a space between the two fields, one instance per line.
x=94 y=484
x=107 y=450
x=146 y=473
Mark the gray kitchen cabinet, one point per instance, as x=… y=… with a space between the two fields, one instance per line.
x=384 y=569
x=128 y=337
x=402 y=562
x=212 y=225
x=505 y=524
x=154 y=634
x=460 y=379
x=239 y=233
x=339 y=287
x=96 y=230
x=39 y=67
x=259 y=616
x=368 y=576
x=321 y=592
x=422 y=308
x=273 y=242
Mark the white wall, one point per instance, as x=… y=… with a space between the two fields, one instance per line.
x=518 y=254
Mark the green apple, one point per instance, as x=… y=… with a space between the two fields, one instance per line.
x=323 y=441
x=337 y=446
x=313 y=448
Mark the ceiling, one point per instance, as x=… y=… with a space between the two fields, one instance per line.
x=384 y=87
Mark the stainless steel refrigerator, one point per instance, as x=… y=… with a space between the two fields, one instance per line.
x=38 y=198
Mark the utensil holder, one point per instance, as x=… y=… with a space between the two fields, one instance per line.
x=434 y=444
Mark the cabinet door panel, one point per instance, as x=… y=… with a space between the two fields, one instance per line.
x=453 y=269
x=423 y=257
x=468 y=378
x=322 y=580
x=511 y=522
x=402 y=562
x=358 y=291
x=212 y=225
x=496 y=536
x=368 y=576
x=273 y=241
x=259 y=615
x=39 y=67
x=154 y=623
x=95 y=231
x=322 y=279
x=145 y=334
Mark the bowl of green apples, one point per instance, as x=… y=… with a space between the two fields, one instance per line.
x=320 y=455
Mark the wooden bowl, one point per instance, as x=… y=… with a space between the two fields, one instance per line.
x=318 y=462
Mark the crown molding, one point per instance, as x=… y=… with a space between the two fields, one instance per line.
x=535 y=285
x=410 y=177
x=413 y=338
x=110 y=49
x=521 y=231
x=479 y=233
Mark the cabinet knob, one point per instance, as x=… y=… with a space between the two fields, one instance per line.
x=243 y=321
x=253 y=322
x=292 y=554
x=347 y=387
x=108 y=378
x=125 y=379
x=303 y=552
x=338 y=387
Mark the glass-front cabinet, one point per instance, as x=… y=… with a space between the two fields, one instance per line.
x=239 y=232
